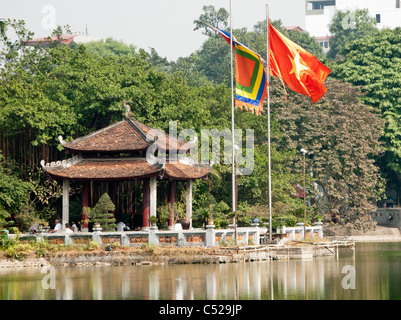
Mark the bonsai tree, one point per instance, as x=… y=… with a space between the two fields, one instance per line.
x=102 y=213
x=179 y=212
x=203 y=213
x=163 y=213
x=220 y=214
x=212 y=212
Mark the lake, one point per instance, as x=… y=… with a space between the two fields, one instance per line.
x=373 y=272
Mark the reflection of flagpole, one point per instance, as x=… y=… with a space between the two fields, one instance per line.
x=232 y=127
x=268 y=123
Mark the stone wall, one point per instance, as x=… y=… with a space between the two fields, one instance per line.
x=388 y=217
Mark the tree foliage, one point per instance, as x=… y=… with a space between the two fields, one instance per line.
x=341 y=136
x=212 y=17
x=374 y=64
x=111 y=48
x=14 y=193
x=350 y=25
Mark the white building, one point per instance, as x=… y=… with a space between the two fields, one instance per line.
x=319 y=13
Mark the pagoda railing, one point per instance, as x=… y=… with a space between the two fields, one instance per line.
x=196 y=237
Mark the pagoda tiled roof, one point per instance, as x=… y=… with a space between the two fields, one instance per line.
x=124 y=136
x=104 y=169
x=180 y=171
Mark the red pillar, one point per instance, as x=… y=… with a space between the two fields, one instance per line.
x=171 y=200
x=145 y=203
x=85 y=203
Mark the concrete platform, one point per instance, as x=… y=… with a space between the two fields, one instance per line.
x=381 y=234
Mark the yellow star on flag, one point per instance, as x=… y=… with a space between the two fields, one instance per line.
x=297 y=66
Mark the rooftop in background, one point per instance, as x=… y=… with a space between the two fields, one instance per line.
x=296 y=28
x=65 y=39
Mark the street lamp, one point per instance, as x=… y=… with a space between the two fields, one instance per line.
x=304 y=152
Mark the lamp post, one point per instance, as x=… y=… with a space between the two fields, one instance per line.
x=304 y=152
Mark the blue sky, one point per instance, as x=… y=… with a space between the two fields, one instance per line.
x=166 y=25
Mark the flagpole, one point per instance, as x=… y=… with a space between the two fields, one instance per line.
x=268 y=125
x=232 y=126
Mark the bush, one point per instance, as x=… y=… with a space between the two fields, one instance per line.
x=287 y=220
x=27 y=217
x=92 y=245
x=5 y=243
x=41 y=249
x=19 y=251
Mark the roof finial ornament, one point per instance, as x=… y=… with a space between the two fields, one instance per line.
x=60 y=138
x=127 y=110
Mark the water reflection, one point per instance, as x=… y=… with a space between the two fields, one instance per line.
x=378 y=276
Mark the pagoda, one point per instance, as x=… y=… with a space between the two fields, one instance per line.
x=118 y=153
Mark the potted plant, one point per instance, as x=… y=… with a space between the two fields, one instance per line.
x=210 y=220
x=202 y=215
x=179 y=213
x=185 y=224
x=153 y=221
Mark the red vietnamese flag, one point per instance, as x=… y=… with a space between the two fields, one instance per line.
x=299 y=69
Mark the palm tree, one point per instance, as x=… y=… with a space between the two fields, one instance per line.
x=214 y=178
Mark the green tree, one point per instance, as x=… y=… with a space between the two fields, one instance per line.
x=159 y=63
x=28 y=116
x=341 y=136
x=374 y=64
x=14 y=193
x=350 y=25
x=187 y=68
x=212 y=17
x=111 y=48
